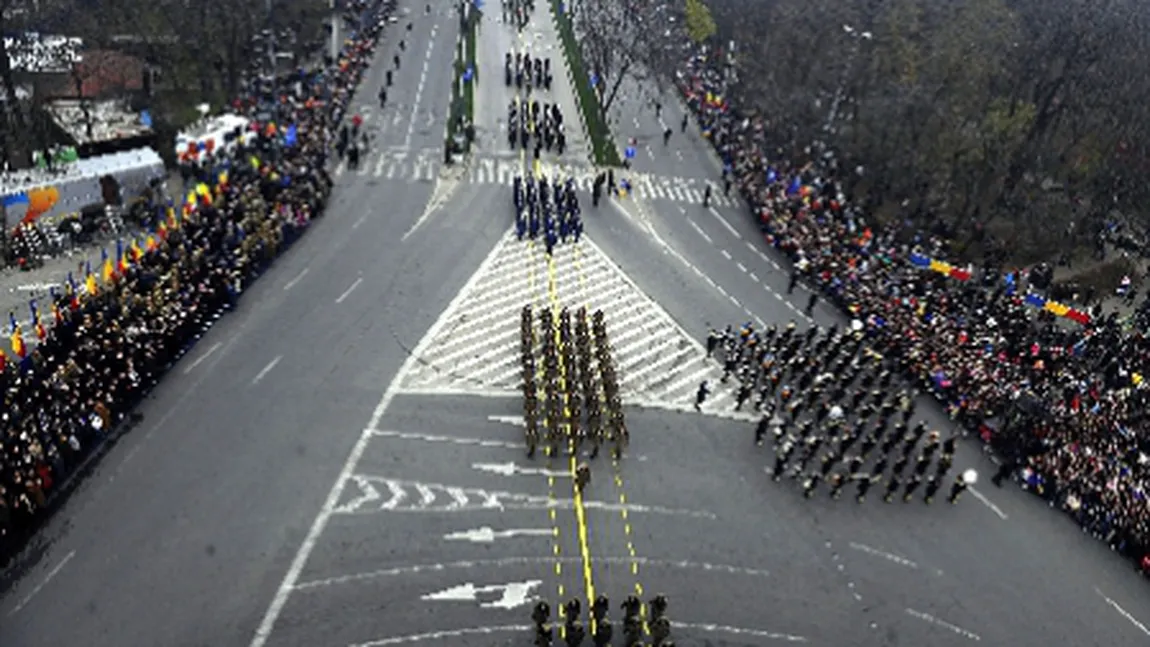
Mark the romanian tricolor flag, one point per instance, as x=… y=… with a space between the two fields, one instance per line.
x=72 y=293
x=137 y=252
x=37 y=324
x=162 y=230
x=150 y=242
x=108 y=271
x=171 y=219
x=90 y=285
x=16 y=337
x=122 y=261
x=57 y=316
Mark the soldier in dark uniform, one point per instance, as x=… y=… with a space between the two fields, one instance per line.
x=892 y=486
x=761 y=429
x=864 y=484
x=961 y=483
x=932 y=486
x=911 y=485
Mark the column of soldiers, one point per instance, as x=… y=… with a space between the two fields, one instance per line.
x=535 y=124
x=547 y=209
x=518 y=12
x=573 y=633
x=527 y=72
x=805 y=384
x=576 y=398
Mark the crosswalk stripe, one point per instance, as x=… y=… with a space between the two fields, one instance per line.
x=478 y=350
x=422 y=164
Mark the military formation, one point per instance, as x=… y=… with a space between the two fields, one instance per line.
x=517 y=12
x=572 y=400
x=835 y=412
x=536 y=126
x=526 y=72
x=638 y=623
x=546 y=209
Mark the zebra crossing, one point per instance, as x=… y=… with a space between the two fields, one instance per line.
x=425 y=165
x=476 y=350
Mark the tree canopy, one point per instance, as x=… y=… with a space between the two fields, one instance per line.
x=700 y=25
x=1022 y=119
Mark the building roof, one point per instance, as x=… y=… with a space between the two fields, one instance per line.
x=103 y=72
x=111 y=120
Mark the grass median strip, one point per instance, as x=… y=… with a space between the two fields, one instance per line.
x=602 y=145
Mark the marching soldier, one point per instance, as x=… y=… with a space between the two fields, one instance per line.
x=932 y=486
x=961 y=483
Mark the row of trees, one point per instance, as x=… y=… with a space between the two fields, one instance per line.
x=201 y=51
x=1022 y=119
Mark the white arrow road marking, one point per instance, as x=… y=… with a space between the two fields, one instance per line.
x=397 y=496
x=510 y=420
x=511 y=595
x=367 y=494
x=511 y=469
x=427 y=496
x=486 y=535
x=437 y=497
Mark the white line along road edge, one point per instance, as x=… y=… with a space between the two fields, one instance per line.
x=263 y=632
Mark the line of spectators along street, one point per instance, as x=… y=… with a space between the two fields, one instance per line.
x=1083 y=440
x=106 y=350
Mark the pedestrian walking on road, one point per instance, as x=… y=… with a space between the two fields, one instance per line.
x=667 y=136
x=683 y=126
x=707 y=196
x=701 y=395
x=814 y=298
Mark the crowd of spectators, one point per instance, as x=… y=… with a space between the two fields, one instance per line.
x=112 y=339
x=1064 y=405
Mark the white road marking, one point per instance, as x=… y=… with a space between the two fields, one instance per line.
x=267 y=369
x=349 y=290
x=987 y=502
x=754 y=277
x=700 y=231
x=511 y=595
x=725 y=253
x=488 y=535
x=298 y=277
x=440 y=635
x=202 y=358
x=264 y=630
x=359 y=221
x=477 y=353
x=734 y=232
x=450 y=440
x=39 y=587
x=965 y=633
x=418 y=95
x=1124 y=613
x=502 y=562
x=739 y=631
x=742 y=268
x=890 y=557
